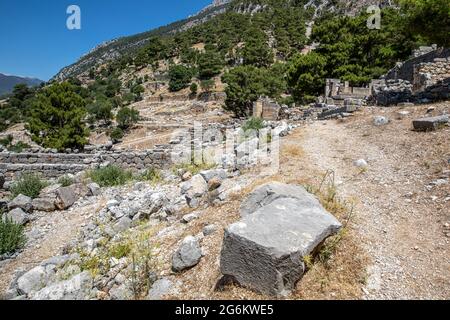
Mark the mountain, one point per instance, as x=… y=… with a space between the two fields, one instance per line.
x=114 y=49
x=8 y=82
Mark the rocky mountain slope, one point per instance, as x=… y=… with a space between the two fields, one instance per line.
x=116 y=48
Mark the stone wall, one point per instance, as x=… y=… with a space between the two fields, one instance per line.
x=428 y=74
x=53 y=165
x=405 y=70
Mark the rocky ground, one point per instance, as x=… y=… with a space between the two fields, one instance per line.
x=394 y=200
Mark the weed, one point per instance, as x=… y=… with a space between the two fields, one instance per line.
x=12 y=236
x=29 y=185
x=110 y=176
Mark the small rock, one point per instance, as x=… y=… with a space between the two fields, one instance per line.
x=209 y=229
x=123 y=224
x=159 y=289
x=186 y=176
x=188 y=255
x=22 y=202
x=189 y=217
x=380 y=121
x=112 y=203
x=214 y=183
x=121 y=292
x=361 y=163
x=18 y=216
x=94 y=189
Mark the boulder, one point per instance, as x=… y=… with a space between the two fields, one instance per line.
x=208 y=175
x=193 y=189
x=431 y=123
x=44 y=204
x=22 y=202
x=272 y=191
x=18 y=216
x=78 y=287
x=264 y=251
x=50 y=191
x=35 y=279
x=187 y=256
x=65 y=197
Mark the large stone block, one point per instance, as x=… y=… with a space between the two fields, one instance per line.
x=431 y=123
x=264 y=251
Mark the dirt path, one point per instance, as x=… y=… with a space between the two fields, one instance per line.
x=49 y=234
x=400 y=221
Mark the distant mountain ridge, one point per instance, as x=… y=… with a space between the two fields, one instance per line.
x=7 y=82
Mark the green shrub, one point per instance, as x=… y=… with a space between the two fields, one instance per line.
x=12 y=237
x=116 y=134
x=29 y=184
x=127 y=117
x=253 y=124
x=66 y=181
x=152 y=175
x=110 y=176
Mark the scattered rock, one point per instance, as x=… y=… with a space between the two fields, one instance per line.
x=123 y=224
x=189 y=217
x=159 y=289
x=380 y=121
x=194 y=189
x=18 y=216
x=77 y=288
x=361 y=163
x=44 y=204
x=94 y=189
x=209 y=230
x=35 y=279
x=186 y=176
x=264 y=251
x=208 y=175
x=22 y=202
x=214 y=183
x=187 y=256
x=121 y=292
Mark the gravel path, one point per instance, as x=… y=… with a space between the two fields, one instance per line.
x=402 y=222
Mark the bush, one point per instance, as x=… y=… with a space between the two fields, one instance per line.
x=116 y=134
x=180 y=77
x=29 y=184
x=194 y=88
x=253 y=124
x=65 y=181
x=12 y=237
x=127 y=117
x=110 y=176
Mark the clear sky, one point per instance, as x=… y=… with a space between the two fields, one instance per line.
x=35 y=42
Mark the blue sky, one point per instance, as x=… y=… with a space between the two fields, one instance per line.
x=35 y=41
